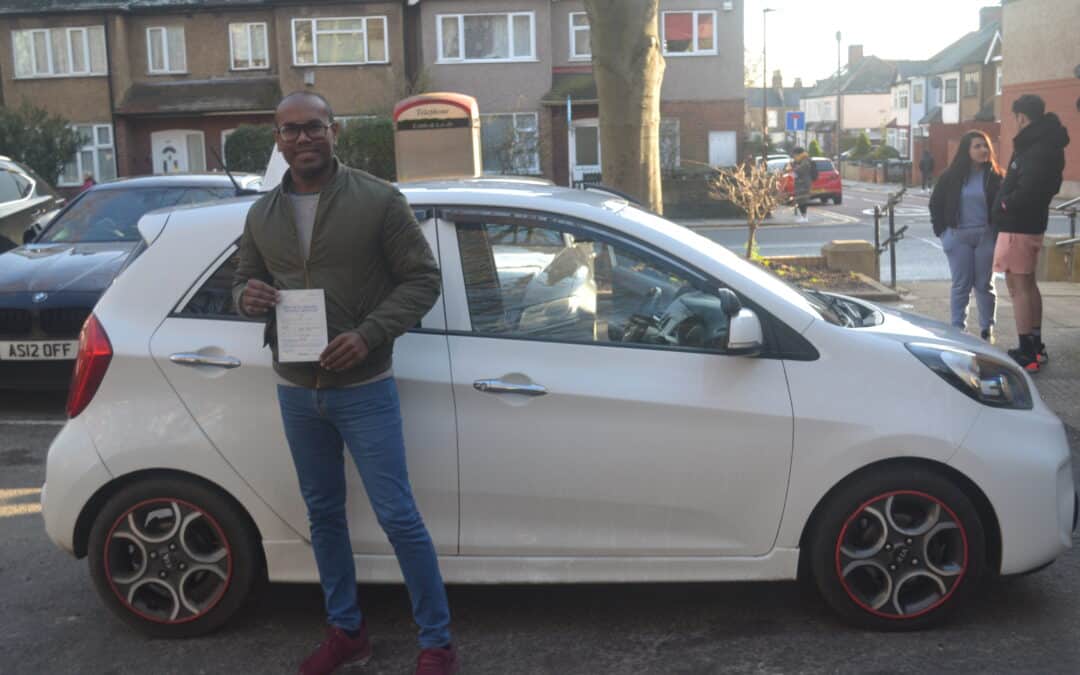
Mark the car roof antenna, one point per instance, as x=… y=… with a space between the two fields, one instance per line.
x=239 y=190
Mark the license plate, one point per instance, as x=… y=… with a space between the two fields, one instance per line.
x=39 y=350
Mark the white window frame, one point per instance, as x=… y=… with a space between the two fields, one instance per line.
x=694 y=51
x=922 y=93
x=574 y=30
x=903 y=97
x=998 y=81
x=168 y=67
x=945 y=90
x=315 y=32
x=50 y=66
x=441 y=58
x=248 y=27
x=534 y=168
x=93 y=146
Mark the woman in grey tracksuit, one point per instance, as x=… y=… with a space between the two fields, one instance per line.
x=960 y=212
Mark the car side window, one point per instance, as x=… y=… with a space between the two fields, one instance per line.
x=203 y=195
x=214 y=298
x=544 y=283
x=10 y=190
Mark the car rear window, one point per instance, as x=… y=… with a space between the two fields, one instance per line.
x=823 y=165
x=109 y=215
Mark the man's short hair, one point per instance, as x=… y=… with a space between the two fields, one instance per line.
x=310 y=94
x=1031 y=105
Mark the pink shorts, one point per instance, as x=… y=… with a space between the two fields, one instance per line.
x=1017 y=253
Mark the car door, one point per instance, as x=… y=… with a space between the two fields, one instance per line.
x=216 y=362
x=578 y=438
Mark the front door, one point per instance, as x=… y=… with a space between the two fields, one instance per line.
x=581 y=436
x=232 y=397
x=178 y=151
x=585 y=151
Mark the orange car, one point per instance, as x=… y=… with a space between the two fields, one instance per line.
x=826 y=186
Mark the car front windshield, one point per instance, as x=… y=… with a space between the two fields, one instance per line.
x=108 y=215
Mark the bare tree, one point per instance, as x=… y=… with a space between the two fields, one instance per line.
x=752 y=188
x=628 y=64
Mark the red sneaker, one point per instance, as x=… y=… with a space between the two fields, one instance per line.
x=338 y=650
x=438 y=661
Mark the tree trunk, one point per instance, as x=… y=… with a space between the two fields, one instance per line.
x=628 y=64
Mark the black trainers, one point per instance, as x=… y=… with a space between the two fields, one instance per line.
x=1041 y=355
x=988 y=335
x=1026 y=360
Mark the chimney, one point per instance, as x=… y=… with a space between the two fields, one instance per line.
x=777 y=80
x=854 y=55
x=798 y=83
x=989 y=15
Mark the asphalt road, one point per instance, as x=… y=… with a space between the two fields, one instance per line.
x=918 y=255
x=51 y=621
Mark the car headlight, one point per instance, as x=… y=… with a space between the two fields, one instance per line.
x=987 y=380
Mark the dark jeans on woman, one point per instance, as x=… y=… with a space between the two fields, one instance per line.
x=970 y=251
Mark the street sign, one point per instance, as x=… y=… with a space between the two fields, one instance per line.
x=796 y=121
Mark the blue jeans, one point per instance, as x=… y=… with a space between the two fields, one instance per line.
x=367 y=420
x=970 y=251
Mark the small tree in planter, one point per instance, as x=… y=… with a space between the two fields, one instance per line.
x=753 y=189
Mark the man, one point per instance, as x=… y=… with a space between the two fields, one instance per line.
x=926 y=169
x=331 y=227
x=1021 y=212
x=802 y=182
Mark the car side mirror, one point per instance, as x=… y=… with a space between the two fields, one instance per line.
x=744 y=334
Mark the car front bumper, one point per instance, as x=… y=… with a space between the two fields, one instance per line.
x=1021 y=461
x=73 y=474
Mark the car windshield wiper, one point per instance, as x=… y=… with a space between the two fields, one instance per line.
x=838 y=307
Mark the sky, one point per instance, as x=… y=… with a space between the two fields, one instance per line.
x=802 y=33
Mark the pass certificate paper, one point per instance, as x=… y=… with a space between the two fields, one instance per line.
x=301 y=325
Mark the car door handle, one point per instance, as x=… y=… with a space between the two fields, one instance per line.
x=500 y=387
x=194 y=359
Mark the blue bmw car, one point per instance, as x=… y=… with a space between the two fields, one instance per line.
x=49 y=286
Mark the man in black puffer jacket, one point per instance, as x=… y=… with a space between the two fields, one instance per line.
x=1021 y=212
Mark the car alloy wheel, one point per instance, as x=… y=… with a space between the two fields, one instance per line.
x=174 y=557
x=896 y=547
x=167 y=560
x=901 y=554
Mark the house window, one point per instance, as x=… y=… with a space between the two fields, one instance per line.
x=669 y=143
x=59 y=52
x=166 y=49
x=95 y=156
x=903 y=139
x=511 y=143
x=687 y=33
x=472 y=38
x=971 y=84
x=580 y=45
x=998 y=82
x=344 y=41
x=951 y=85
x=903 y=96
x=917 y=93
x=247 y=44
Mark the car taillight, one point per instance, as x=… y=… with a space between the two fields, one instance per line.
x=95 y=352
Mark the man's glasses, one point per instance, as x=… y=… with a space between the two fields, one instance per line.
x=316 y=131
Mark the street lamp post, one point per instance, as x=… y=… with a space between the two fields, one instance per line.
x=838 y=127
x=765 y=82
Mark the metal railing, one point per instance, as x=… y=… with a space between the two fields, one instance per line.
x=895 y=235
x=1069 y=208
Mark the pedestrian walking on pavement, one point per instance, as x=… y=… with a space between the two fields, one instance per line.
x=328 y=226
x=1020 y=215
x=960 y=213
x=803 y=169
x=926 y=169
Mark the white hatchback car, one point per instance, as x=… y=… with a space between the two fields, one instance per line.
x=599 y=395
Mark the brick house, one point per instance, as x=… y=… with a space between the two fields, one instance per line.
x=781 y=100
x=954 y=92
x=1041 y=55
x=523 y=60
x=156 y=86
